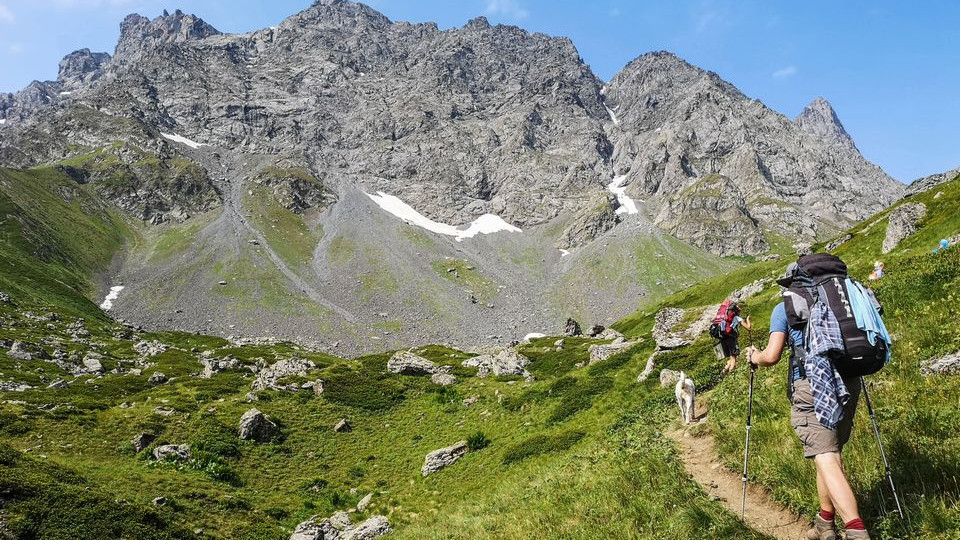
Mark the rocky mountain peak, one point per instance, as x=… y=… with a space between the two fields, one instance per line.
x=339 y=15
x=138 y=33
x=81 y=66
x=820 y=120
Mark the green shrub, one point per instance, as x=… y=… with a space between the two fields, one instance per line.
x=579 y=398
x=542 y=444
x=613 y=363
x=363 y=390
x=477 y=441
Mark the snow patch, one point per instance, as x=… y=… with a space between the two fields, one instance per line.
x=65 y=93
x=182 y=140
x=613 y=116
x=485 y=224
x=533 y=335
x=111 y=296
x=617 y=187
x=564 y=253
x=3 y=121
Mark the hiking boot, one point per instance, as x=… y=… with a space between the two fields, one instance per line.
x=855 y=534
x=822 y=529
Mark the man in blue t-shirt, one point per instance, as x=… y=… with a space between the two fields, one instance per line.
x=821 y=444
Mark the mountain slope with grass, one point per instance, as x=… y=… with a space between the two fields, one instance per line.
x=576 y=449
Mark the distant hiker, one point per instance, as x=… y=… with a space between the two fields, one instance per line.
x=823 y=401
x=877 y=271
x=726 y=328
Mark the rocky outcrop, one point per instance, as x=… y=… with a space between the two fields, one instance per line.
x=712 y=214
x=572 y=328
x=148 y=349
x=594 y=220
x=269 y=376
x=343 y=426
x=142 y=441
x=407 y=363
x=929 y=182
x=443 y=457
x=668 y=378
x=81 y=68
x=212 y=366
x=339 y=527
x=255 y=426
x=506 y=362
x=819 y=120
x=837 y=242
x=157 y=378
x=599 y=353
x=176 y=452
x=903 y=222
x=295 y=188
x=443 y=379
x=663 y=323
x=943 y=365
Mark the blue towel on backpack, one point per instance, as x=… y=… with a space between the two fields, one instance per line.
x=868 y=319
x=829 y=392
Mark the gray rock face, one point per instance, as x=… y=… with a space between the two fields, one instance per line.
x=820 y=120
x=572 y=328
x=902 y=223
x=255 y=426
x=506 y=362
x=81 y=67
x=149 y=349
x=343 y=426
x=407 y=363
x=837 y=242
x=91 y=363
x=373 y=527
x=944 y=365
x=157 y=378
x=339 y=527
x=142 y=441
x=172 y=451
x=591 y=222
x=928 y=182
x=212 y=366
x=599 y=353
x=443 y=379
x=443 y=457
x=664 y=322
x=269 y=377
x=712 y=214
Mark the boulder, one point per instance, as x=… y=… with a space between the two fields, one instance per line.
x=470 y=401
x=507 y=362
x=142 y=441
x=149 y=348
x=159 y=501
x=255 y=426
x=364 y=502
x=902 y=223
x=172 y=452
x=58 y=384
x=18 y=351
x=407 y=363
x=610 y=333
x=91 y=363
x=212 y=366
x=268 y=376
x=669 y=378
x=157 y=378
x=596 y=330
x=443 y=379
x=572 y=328
x=443 y=457
x=599 y=353
x=343 y=426
x=373 y=527
x=663 y=324
x=648 y=368
x=944 y=365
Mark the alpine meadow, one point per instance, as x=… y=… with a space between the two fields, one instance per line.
x=347 y=277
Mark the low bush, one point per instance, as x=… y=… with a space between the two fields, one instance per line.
x=579 y=398
x=542 y=444
x=477 y=441
x=363 y=390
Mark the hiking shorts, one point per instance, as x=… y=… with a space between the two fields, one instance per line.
x=730 y=345
x=815 y=438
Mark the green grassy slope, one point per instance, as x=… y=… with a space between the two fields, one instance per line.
x=916 y=414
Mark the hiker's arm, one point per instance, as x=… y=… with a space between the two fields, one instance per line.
x=771 y=354
x=746 y=323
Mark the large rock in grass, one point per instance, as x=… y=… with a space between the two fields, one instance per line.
x=663 y=323
x=599 y=353
x=142 y=440
x=443 y=379
x=268 y=377
x=903 y=222
x=507 y=362
x=572 y=328
x=177 y=452
x=255 y=426
x=339 y=527
x=944 y=365
x=407 y=363
x=443 y=457
x=91 y=363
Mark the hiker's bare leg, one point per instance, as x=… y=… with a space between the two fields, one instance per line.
x=731 y=364
x=824 y=494
x=838 y=492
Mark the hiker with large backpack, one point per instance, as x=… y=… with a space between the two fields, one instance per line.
x=833 y=327
x=725 y=327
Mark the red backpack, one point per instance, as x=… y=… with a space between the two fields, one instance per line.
x=722 y=324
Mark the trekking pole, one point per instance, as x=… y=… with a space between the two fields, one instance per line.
x=746 y=442
x=876 y=432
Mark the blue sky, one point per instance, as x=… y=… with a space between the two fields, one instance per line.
x=890 y=69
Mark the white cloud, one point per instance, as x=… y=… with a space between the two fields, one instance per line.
x=785 y=72
x=6 y=15
x=507 y=8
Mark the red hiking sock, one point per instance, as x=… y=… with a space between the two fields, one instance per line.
x=827 y=516
x=856 y=525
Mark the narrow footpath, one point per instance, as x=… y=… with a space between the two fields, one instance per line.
x=763 y=513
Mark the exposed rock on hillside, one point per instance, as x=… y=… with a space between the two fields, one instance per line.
x=339 y=527
x=944 y=365
x=507 y=362
x=407 y=363
x=255 y=426
x=443 y=457
x=903 y=222
x=591 y=222
x=923 y=184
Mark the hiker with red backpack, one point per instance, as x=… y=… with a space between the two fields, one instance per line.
x=726 y=328
x=833 y=327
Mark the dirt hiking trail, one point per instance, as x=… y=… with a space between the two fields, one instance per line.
x=763 y=513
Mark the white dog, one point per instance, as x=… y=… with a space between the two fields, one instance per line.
x=686 y=393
